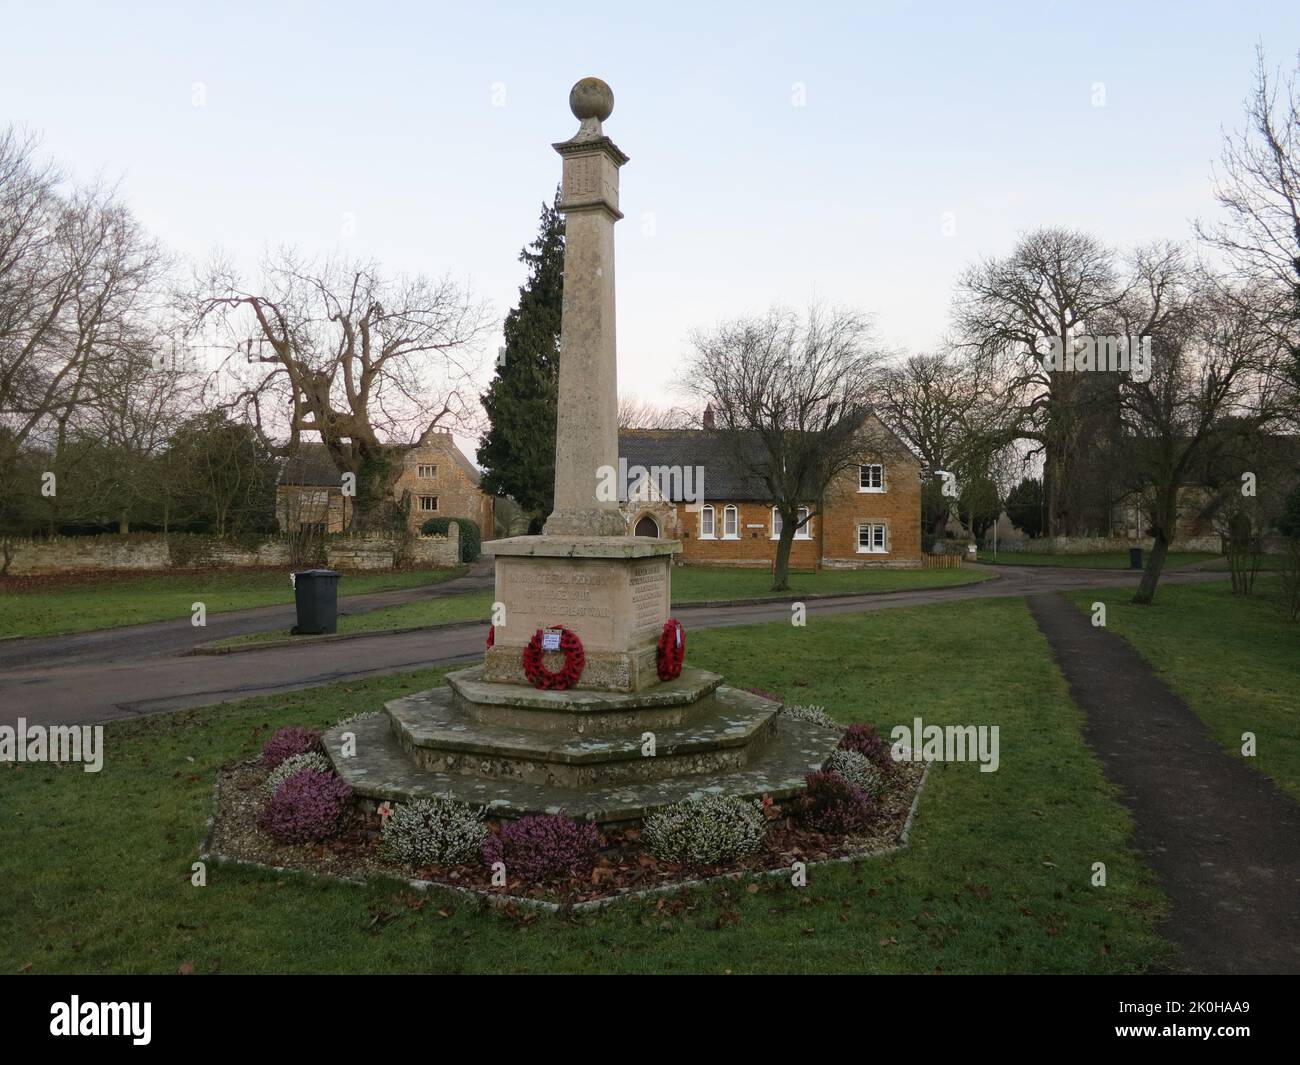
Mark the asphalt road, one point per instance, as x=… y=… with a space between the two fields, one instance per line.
x=176 y=636
x=141 y=669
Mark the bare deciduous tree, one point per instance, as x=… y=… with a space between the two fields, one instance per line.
x=791 y=401
x=634 y=413
x=79 y=313
x=77 y=277
x=1213 y=366
x=367 y=362
x=1258 y=185
x=953 y=413
x=1055 y=283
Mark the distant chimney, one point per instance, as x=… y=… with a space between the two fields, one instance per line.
x=708 y=416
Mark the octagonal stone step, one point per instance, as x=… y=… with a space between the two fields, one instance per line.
x=582 y=712
x=381 y=770
x=441 y=735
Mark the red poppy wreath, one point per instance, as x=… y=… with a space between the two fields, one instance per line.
x=672 y=650
x=574 y=660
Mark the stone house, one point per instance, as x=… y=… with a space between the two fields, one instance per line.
x=309 y=493
x=440 y=480
x=870 y=516
x=1197 y=507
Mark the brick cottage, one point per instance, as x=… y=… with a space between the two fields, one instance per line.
x=870 y=516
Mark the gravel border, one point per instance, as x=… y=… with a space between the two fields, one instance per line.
x=496 y=900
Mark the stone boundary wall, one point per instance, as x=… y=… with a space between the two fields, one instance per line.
x=1094 y=545
x=155 y=551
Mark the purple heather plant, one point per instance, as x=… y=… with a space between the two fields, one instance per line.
x=288 y=741
x=834 y=806
x=307 y=807
x=543 y=846
x=867 y=741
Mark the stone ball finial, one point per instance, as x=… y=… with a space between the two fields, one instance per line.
x=591 y=98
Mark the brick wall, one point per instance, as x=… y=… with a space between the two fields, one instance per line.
x=148 y=551
x=753 y=546
x=897 y=507
x=833 y=539
x=832 y=536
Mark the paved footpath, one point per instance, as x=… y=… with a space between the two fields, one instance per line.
x=1224 y=842
x=136 y=670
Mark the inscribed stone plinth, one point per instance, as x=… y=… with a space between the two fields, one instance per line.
x=613 y=592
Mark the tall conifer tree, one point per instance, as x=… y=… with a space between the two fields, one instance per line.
x=518 y=451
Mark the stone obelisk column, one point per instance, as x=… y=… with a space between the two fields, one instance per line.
x=586 y=429
x=585 y=574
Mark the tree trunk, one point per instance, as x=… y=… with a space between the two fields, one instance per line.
x=377 y=474
x=1053 y=469
x=781 y=572
x=1162 y=532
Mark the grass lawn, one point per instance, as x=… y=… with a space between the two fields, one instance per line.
x=95 y=868
x=1235 y=661
x=691 y=584
x=1106 y=560
x=1266 y=563
x=467 y=606
x=118 y=599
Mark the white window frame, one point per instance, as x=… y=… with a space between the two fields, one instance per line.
x=430 y=475
x=871 y=466
x=872 y=549
x=429 y=510
x=731 y=516
x=712 y=533
x=804 y=532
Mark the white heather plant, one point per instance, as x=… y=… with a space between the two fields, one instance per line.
x=856 y=769
x=705 y=831
x=293 y=764
x=815 y=714
x=436 y=831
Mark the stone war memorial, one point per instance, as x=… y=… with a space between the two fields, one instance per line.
x=583 y=704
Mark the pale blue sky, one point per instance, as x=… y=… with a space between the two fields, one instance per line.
x=734 y=196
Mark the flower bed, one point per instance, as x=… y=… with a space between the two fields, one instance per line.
x=621 y=865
